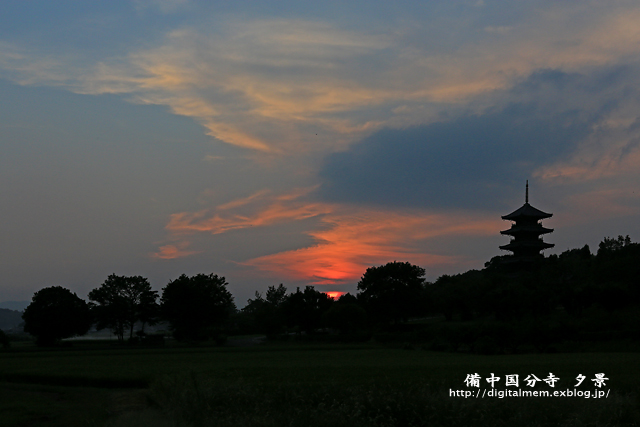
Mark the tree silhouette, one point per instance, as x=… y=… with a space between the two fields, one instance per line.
x=56 y=313
x=610 y=244
x=122 y=301
x=392 y=292
x=345 y=315
x=266 y=312
x=305 y=308
x=194 y=306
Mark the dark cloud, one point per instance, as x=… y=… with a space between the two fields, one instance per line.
x=475 y=160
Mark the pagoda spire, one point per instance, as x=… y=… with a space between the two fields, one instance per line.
x=526 y=193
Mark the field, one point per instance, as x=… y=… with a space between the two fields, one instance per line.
x=94 y=384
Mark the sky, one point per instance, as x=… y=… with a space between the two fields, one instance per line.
x=303 y=142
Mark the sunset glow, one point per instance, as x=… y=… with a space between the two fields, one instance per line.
x=335 y=294
x=161 y=137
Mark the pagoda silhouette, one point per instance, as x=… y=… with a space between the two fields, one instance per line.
x=526 y=243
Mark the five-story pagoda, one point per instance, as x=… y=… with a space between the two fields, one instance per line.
x=526 y=231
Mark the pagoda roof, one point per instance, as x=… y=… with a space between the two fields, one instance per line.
x=537 y=244
x=537 y=229
x=527 y=211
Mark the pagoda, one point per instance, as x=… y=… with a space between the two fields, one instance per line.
x=526 y=231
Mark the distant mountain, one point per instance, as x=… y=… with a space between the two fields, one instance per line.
x=14 y=305
x=10 y=319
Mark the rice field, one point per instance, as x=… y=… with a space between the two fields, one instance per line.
x=301 y=384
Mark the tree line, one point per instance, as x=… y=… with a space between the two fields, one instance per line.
x=575 y=295
x=388 y=294
x=193 y=306
x=201 y=307
x=567 y=302
x=577 y=300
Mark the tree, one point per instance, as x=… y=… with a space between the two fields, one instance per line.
x=305 y=309
x=194 y=306
x=56 y=313
x=122 y=301
x=266 y=313
x=609 y=245
x=345 y=314
x=392 y=292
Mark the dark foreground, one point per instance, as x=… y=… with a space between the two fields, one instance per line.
x=96 y=384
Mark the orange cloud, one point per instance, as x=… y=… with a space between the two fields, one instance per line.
x=347 y=241
x=287 y=85
x=173 y=251
x=352 y=243
x=222 y=219
x=257 y=210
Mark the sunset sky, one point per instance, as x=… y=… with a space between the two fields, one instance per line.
x=301 y=142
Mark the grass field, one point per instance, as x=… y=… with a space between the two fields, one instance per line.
x=299 y=384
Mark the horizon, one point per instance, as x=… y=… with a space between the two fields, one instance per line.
x=335 y=295
x=303 y=143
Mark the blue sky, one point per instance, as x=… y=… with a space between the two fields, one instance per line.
x=302 y=142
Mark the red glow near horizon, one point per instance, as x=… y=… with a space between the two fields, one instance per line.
x=335 y=294
x=345 y=243
x=349 y=243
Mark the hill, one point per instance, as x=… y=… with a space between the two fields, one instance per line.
x=14 y=305
x=9 y=319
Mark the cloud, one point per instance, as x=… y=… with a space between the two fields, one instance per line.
x=173 y=251
x=591 y=165
x=258 y=86
x=257 y=210
x=409 y=117
x=350 y=242
x=285 y=86
x=344 y=240
x=543 y=127
x=26 y=67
